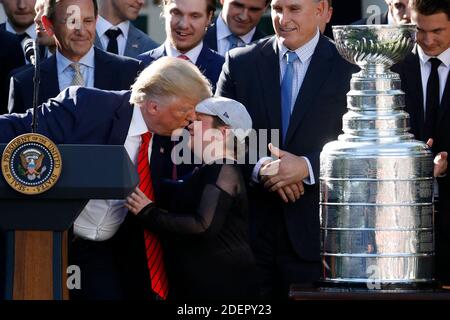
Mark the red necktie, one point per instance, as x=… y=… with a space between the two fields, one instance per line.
x=184 y=57
x=153 y=246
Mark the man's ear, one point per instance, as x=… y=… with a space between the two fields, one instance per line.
x=48 y=25
x=151 y=107
x=320 y=8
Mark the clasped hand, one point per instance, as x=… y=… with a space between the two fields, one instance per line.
x=284 y=175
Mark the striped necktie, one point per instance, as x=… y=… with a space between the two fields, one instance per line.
x=153 y=248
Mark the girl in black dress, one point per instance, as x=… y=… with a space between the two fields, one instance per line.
x=203 y=227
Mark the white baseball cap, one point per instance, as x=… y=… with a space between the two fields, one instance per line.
x=231 y=112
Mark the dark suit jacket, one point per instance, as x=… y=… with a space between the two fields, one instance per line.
x=11 y=58
x=410 y=75
x=383 y=18
x=210 y=38
x=90 y=116
x=209 y=62
x=251 y=75
x=111 y=72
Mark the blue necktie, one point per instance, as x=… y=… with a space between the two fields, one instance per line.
x=234 y=41
x=286 y=92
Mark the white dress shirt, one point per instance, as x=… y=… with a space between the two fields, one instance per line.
x=223 y=45
x=104 y=25
x=30 y=31
x=191 y=54
x=301 y=66
x=65 y=72
x=425 y=70
x=101 y=219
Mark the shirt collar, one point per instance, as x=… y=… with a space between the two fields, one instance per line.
x=87 y=60
x=31 y=30
x=191 y=54
x=137 y=125
x=444 y=56
x=104 y=25
x=223 y=31
x=390 y=18
x=305 y=52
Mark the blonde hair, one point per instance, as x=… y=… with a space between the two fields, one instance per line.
x=170 y=77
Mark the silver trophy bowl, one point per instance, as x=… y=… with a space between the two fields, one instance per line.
x=376 y=183
x=375 y=48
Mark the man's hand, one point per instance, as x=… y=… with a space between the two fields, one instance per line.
x=137 y=201
x=440 y=161
x=291 y=170
x=291 y=192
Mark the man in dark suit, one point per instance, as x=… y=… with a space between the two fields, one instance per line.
x=236 y=25
x=76 y=61
x=185 y=36
x=185 y=23
x=306 y=109
x=11 y=58
x=115 y=32
x=426 y=83
x=398 y=12
x=20 y=15
x=112 y=260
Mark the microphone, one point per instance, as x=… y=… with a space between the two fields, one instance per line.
x=30 y=50
x=32 y=54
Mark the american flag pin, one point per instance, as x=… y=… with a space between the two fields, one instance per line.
x=135 y=45
x=161 y=150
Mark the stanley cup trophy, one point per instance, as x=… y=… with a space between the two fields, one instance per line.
x=376 y=181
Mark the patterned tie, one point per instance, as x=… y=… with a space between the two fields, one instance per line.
x=153 y=246
x=77 y=79
x=112 y=35
x=286 y=92
x=432 y=100
x=234 y=41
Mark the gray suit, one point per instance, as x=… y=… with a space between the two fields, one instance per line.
x=137 y=42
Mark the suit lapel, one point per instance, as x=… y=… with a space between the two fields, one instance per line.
x=203 y=59
x=159 y=158
x=97 y=42
x=413 y=84
x=445 y=102
x=103 y=76
x=132 y=45
x=49 y=79
x=320 y=65
x=269 y=75
x=211 y=37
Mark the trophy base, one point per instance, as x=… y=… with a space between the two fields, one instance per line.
x=323 y=290
x=378 y=287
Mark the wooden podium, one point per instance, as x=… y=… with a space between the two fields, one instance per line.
x=35 y=257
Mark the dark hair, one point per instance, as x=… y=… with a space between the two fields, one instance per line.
x=330 y=3
x=50 y=7
x=210 y=5
x=429 y=7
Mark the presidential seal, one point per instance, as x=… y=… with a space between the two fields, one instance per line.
x=31 y=163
